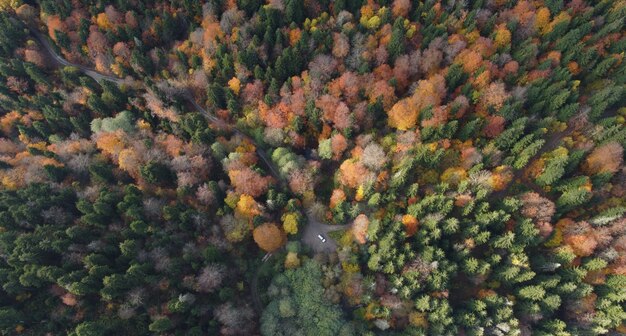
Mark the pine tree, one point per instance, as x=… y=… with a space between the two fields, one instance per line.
x=294 y=11
x=396 y=46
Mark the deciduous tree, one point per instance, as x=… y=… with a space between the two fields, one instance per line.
x=604 y=159
x=269 y=237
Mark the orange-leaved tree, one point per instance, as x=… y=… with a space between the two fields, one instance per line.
x=269 y=237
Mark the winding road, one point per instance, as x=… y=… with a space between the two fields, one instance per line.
x=313 y=228
x=97 y=76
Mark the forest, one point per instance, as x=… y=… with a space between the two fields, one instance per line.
x=312 y=167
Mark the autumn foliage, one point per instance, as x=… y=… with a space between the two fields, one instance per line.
x=269 y=237
x=462 y=162
x=604 y=159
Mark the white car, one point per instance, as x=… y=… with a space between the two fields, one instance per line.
x=321 y=238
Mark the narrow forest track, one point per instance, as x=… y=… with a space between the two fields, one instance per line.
x=519 y=175
x=221 y=123
x=254 y=285
x=98 y=76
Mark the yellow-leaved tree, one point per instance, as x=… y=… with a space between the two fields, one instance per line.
x=403 y=115
x=235 y=85
x=248 y=207
x=290 y=223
